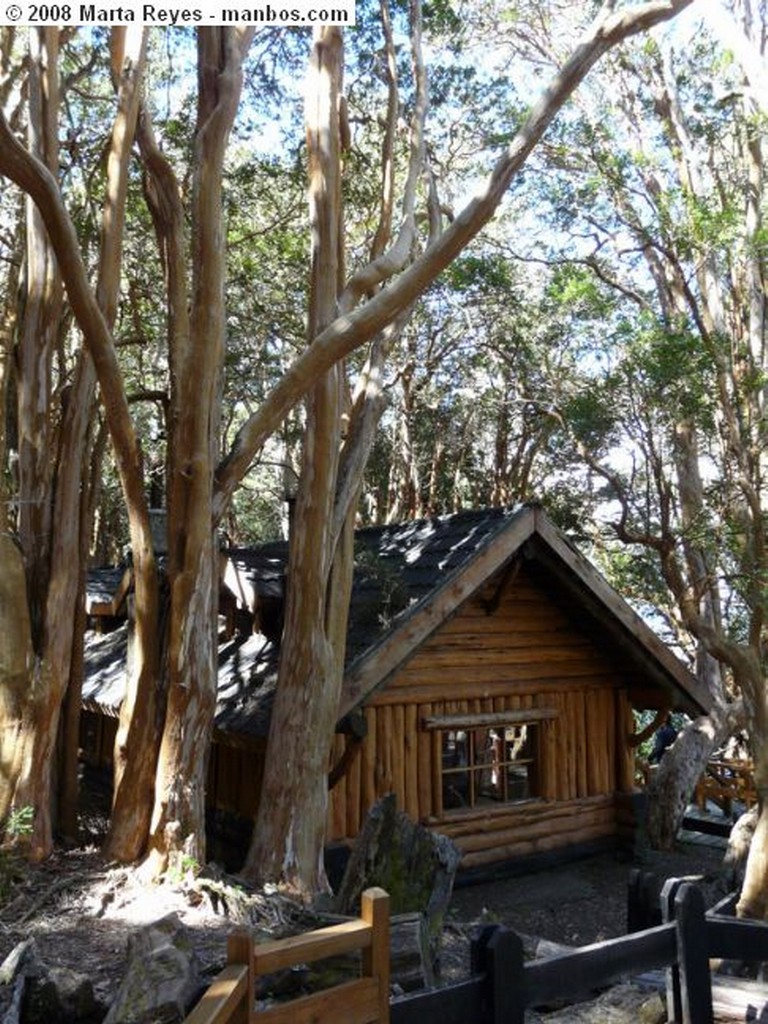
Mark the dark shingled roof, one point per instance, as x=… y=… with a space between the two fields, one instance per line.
x=397 y=567
x=102 y=584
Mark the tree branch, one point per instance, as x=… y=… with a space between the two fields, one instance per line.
x=351 y=330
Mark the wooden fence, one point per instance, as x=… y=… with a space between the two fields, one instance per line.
x=727 y=783
x=364 y=1000
x=502 y=984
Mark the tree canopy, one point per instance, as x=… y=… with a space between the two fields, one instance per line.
x=531 y=266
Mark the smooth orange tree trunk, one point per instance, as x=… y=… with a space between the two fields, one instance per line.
x=288 y=836
x=177 y=829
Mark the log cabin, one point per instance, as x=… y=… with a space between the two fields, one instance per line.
x=491 y=678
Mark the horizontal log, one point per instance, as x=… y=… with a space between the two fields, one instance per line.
x=429 y=687
x=468 y=822
x=490 y=838
x=489 y=719
x=598 y=965
x=532 y=847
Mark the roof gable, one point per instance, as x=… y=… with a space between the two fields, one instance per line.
x=528 y=527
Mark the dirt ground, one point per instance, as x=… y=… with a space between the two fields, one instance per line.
x=81 y=910
x=575 y=904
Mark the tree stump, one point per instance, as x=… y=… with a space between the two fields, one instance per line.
x=415 y=866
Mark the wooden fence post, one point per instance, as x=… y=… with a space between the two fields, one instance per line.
x=497 y=953
x=674 y=998
x=642 y=909
x=374 y=910
x=693 y=957
x=240 y=951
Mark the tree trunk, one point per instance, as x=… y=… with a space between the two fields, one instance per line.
x=287 y=844
x=674 y=781
x=177 y=828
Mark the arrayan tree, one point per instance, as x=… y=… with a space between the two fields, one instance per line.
x=355 y=308
x=673 y=175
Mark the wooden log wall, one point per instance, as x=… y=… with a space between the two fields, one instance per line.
x=97 y=738
x=234 y=777
x=505 y=652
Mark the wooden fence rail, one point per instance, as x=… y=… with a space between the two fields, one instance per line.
x=502 y=984
x=364 y=1000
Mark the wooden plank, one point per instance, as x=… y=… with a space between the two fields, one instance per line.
x=426 y=804
x=548 y=759
x=625 y=756
x=220 y=1002
x=279 y=954
x=458 y=1003
x=468 y=657
x=504 y=963
x=582 y=739
x=383 y=775
x=693 y=956
x=428 y=687
x=240 y=954
x=411 y=758
x=568 y=765
x=667 y=904
x=488 y=718
x=354 y=773
x=369 y=791
x=437 y=774
x=502 y=634
x=355 y=1002
x=610 y=699
x=398 y=753
x=374 y=911
x=737 y=938
x=597 y=739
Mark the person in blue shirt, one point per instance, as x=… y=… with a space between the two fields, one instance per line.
x=664 y=738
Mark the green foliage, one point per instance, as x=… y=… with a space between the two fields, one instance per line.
x=484 y=273
x=20 y=823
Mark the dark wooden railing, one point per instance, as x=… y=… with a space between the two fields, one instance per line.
x=502 y=984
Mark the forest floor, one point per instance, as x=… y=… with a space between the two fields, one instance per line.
x=81 y=910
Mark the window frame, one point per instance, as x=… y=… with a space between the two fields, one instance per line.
x=440 y=725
